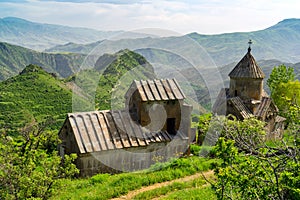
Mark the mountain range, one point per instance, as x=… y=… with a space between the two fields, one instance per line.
x=280 y=42
x=40 y=36
x=33 y=92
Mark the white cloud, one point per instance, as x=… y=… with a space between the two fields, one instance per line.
x=203 y=16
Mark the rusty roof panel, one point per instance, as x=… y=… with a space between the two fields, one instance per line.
x=140 y=89
x=263 y=107
x=158 y=90
x=153 y=89
x=161 y=90
x=147 y=90
x=240 y=107
x=168 y=89
x=77 y=134
x=93 y=134
x=85 y=138
x=176 y=89
x=105 y=130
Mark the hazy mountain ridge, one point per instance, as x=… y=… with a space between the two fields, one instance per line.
x=40 y=36
x=280 y=42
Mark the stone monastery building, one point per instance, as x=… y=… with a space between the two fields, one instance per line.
x=246 y=97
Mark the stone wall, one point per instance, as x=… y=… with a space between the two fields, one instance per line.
x=132 y=159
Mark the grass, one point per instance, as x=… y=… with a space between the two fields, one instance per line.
x=105 y=186
x=198 y=183
x=205 y=193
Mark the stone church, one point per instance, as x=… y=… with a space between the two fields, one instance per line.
x=154 y=126
x=246 y=97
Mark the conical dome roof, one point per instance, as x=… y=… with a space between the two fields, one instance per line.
x=247 y=68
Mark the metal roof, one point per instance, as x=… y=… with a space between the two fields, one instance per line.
x=263 y=107
x=238 y=104
x=105 y=130
x=247 y=68
x=157 y=90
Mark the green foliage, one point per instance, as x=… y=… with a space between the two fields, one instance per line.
x=34 y=95
x=28 y=168
x=195 y=149
x=251 y=168
x=280 y=74
x=285 y=91
x=287 y=98
x=203 y=126
x=118 y=75
x=249 y=132
x=110 y=186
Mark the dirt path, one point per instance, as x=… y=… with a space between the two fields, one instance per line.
x=131 y=194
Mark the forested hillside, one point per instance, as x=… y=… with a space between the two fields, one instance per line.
x=34 y=95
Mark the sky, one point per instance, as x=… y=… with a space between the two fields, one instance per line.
x=202 y=16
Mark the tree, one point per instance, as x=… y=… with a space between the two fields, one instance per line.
x=30 y=165
x=285 y=90
x=203 y=126
x=280 y=74
x=251 y=167
x=287 y=98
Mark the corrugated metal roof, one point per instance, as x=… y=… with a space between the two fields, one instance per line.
x=263 y=107
x=238 y=104
x=247 y=68
x=105 y=130
x=157 y=90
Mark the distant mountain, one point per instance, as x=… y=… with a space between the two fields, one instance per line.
x=73 y=48
x=280 y=42
x=13 y=60
x=42 y=36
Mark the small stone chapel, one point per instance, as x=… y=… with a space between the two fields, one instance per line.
x=246 y=97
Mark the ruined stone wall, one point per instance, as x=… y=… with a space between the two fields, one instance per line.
x=133 y=159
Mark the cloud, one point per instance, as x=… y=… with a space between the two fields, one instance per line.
x=203 y=16
x=101 y=1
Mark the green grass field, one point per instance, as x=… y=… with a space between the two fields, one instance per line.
x=106 y=186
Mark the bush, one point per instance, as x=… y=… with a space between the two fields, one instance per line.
x=195 y=149
x=99 y=178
